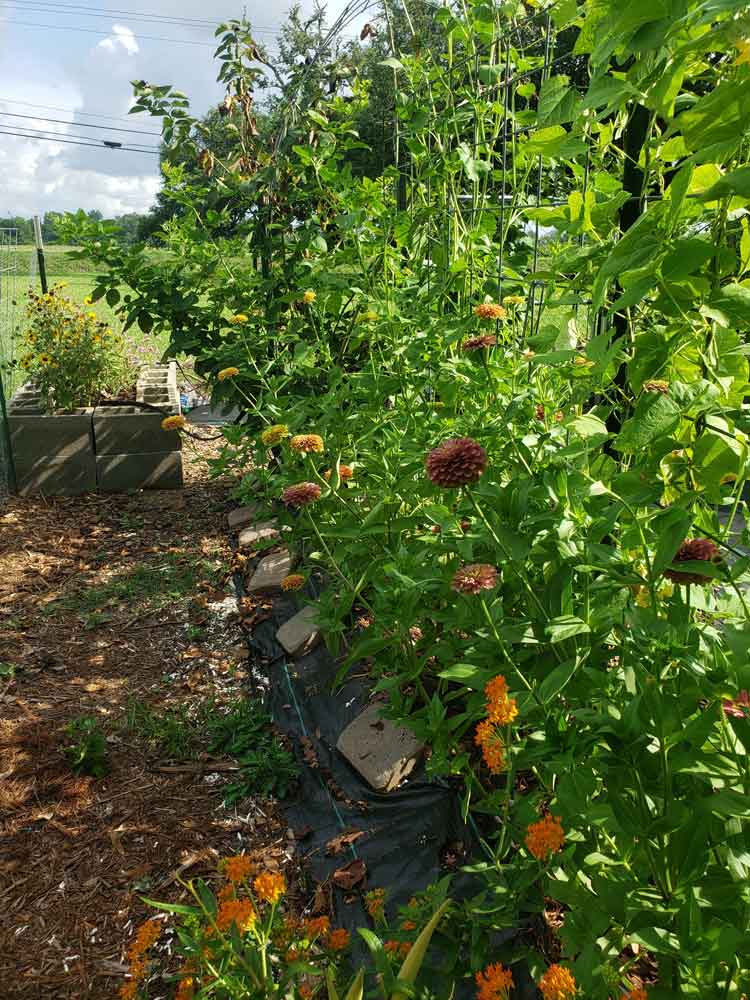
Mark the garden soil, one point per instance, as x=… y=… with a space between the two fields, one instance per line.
x=78 y=853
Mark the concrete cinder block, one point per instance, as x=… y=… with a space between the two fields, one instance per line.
x=300 y=634
x=270 y=571
x=383 y=753
x=122 y=429
x=48 y=438
x=144 y=471
x=68 y=477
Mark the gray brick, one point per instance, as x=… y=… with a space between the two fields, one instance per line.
x=119 y=432
x=270 y=571
x=383 y=753
x=144 y=471
x=242 y=516
x=300 y=634
x=263 y=532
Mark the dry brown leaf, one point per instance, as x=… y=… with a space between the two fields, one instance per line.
x=351 y=875
x=337 y=845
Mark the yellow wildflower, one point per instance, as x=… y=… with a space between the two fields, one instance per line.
x=274 y=435
x=173 y=423
x=226 y=373
x=238 y=319
x=309 y=297
x=270 y=886
x=743 y=47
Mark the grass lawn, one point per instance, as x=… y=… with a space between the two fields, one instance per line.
x=79 y=281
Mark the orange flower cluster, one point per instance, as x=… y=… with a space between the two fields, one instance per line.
x=293 y=582
x=306 y=443
x=500 y=708
x=494 y=983
x=490 y=310
x=408 y=925
x=375 y=903
x=557 y=984
x=493 y=749
x=545 y=837
x=226 y=892
x=238 y=868
x=317 y=927
x=270 y=886
x=185 y=989
x=636 y=994
x=345 y=472
x=501 y=711
x=145 y=937
x=236 y=911
x=338 y=940
x=401 y=948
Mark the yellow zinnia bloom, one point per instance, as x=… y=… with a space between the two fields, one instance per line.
x=173 y=423
x=274 y=435
x=743 y=47
x=306 y=443
x=309 y=297
x=226 y=373
x=238 y=319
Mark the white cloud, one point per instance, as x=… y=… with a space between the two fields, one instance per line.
x=121 y=36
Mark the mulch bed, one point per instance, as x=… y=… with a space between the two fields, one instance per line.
x=78 y=853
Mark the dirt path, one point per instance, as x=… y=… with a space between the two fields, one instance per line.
x=110 y=606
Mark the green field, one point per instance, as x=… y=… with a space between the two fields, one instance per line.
x=79 y=280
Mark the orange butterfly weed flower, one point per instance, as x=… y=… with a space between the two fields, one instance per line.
x=338 y=939
x=270 y=886
x=375 y=903
x=317 y=927
x=408 y=925
x=557 y=984
x=546 y=837
x=493 y=748
x=500 y=708
x=185 y=989
x=226 y=892
x=238 y=868
x=240 y=912
x=345 y=472
x=494 y=982
x=637 y=994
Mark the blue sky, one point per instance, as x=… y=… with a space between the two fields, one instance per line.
x=51 y=68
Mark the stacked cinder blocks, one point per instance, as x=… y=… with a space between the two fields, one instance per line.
x=110 y=448
x=132 y=450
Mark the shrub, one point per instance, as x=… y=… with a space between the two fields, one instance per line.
x=70 y=355
x=86 y=750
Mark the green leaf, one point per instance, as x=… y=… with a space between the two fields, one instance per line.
x=145 y=322
x=655 y=416
x=555 y=681
x=392 y=62
x=565 y=627
x=656 y=939
x=113 y=297
x=686 y=257
x=467 y=674
x=171 y=907
x=734 y=301
x=671 y=527
x=721 y=114
x=558 y=101
x=589 y=426
x=737 y=182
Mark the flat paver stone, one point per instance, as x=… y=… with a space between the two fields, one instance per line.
x=382 y=752
x=300 y=634
x=271 y=571
x=242 y=516
x=258 y=533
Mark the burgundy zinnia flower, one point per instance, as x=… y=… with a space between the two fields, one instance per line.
x=301 y=494
x=477 y=343
x=694 y=550
x=475 y=578
x=456 y=462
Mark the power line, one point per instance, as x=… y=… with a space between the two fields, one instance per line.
x=108 y=34
x=59 y=121
x=76 y=142
x=71 y=111
x=59 y=7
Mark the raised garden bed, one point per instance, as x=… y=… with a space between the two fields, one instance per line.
x=107 y=448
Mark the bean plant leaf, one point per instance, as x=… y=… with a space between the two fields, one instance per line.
x=655 y=416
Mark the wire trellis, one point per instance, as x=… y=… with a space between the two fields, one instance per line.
x=9 y=269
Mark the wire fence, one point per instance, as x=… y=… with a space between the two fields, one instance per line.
x=9 y=271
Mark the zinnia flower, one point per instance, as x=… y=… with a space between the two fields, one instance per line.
x=226 y=373
x=474 y=578
x=694 y=550
x=174 y=423
x=306 y=442
x=491 y=744
x=309 y=297
x=557 y=984
x=494 y=982
x=513 y=300
x=238 y=319
x=743 y=47
x=656 y=385
x=240 y=912
x=274 y=435
x=544 y=838
x=739 y=707
x=477 y=343
x=293 y=582
x=490 y=310
x=345 y=472
x=456 y=462
x=301 y=494
x=238 y=868
x=338 y=940
x=270 y=886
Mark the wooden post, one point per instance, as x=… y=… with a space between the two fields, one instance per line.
x=40 y=253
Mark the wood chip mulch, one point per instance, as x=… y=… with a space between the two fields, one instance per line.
x=78 y=853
